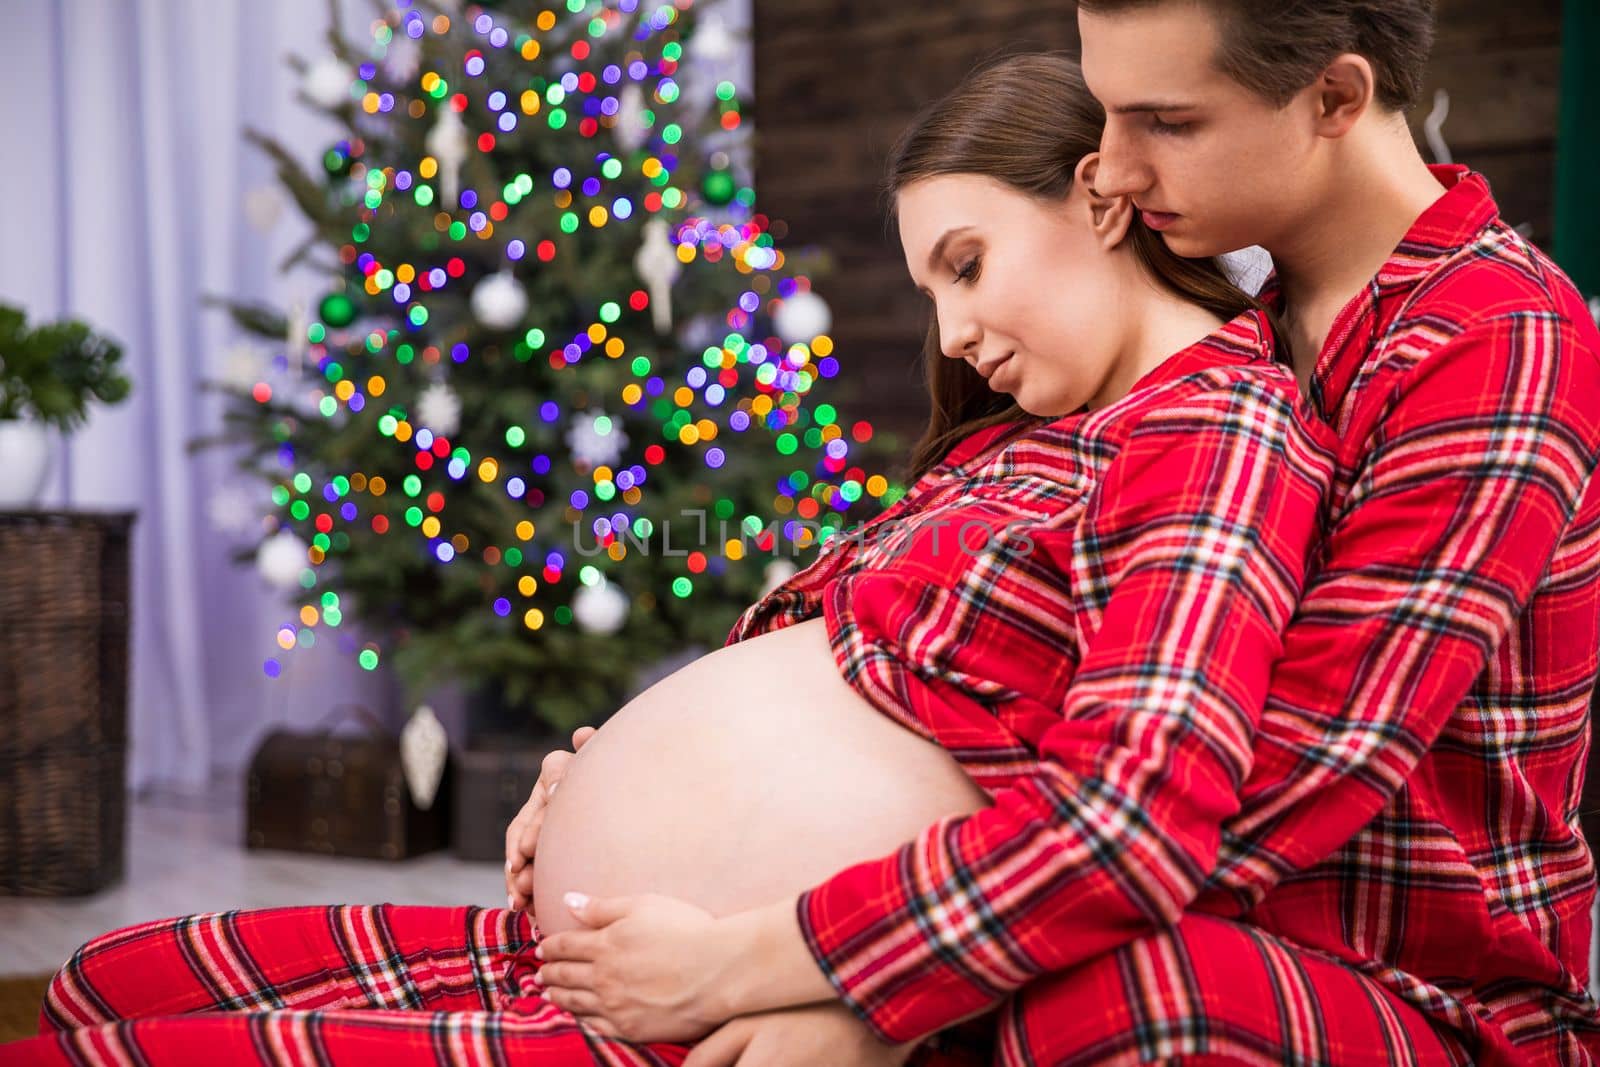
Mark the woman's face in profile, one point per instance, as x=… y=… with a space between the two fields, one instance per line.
x=1021 y=290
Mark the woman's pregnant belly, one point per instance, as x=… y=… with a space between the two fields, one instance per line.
x=749 y=775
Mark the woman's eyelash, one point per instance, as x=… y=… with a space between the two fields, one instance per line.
x=969 y=271
x=1157 y=126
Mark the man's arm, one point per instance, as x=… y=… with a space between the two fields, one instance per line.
x=1473 y=475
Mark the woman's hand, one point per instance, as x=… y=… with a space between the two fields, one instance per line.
x=798 y=1037
x=643 y=968
x=522 y=836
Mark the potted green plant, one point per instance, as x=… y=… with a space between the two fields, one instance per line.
x=48 y=376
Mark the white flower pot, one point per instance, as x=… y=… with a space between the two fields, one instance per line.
x=25 y=452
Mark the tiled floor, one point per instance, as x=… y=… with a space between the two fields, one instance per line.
x=184 y=855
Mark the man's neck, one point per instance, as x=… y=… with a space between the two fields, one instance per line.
x=1377 y=190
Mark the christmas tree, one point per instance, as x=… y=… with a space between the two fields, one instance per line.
x=560 y=411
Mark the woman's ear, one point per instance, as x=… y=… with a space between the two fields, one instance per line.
x=1110 y=217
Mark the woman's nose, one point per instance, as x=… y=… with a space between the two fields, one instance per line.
x=960 y=339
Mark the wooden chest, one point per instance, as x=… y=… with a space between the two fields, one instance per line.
x=340 y=795
x=492 y=784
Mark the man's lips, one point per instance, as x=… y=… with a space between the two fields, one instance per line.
x=1157 y=220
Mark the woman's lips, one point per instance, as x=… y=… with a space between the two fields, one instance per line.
x=995 y=371
x=1158 y=220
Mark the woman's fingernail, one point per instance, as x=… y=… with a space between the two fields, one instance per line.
x=552 y=790
x=511 y=902
x=575 y=901
x=508 y=866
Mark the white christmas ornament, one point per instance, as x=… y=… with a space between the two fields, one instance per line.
x=447 y=143
x=499 y=301
x=263 y=207
x=296 y=343
x=327 y=82
x=424 y=749
x=1594 y=309
x=600 y=609
x=711 y=42
x=281 y=559
x=777 y=572
x=803 y=316
x=592 y=446
x=631 y=131
x=439 y=409
x=657 y=266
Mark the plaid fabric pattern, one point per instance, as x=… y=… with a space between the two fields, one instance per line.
x=346 y=984
x=1098 y=666
x=1215 y=991
x=1413 y=804
x=447 y=986
x=1411 y=790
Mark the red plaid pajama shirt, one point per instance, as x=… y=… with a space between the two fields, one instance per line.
x=1408 y=802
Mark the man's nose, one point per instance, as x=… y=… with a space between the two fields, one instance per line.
x=1121 y=172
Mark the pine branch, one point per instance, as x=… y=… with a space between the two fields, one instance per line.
x=262 y=320
x=309 y=194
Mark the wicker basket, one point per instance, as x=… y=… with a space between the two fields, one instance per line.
x=63 y=700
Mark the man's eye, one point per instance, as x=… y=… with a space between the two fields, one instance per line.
x=968 y=272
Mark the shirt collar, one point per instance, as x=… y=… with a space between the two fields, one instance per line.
x=1450 y=223
x=1246 y=338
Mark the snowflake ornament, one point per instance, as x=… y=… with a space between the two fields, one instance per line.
x=596 y=439
x=439 y=409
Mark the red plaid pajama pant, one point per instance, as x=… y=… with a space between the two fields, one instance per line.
x=403 y=985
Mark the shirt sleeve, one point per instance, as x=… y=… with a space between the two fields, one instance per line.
x=1471 y=477
x=1184 y=567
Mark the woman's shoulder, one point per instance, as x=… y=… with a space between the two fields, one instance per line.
x=1235 y=368
x=986 y=439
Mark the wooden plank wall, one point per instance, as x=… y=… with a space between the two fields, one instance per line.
x=836 y=80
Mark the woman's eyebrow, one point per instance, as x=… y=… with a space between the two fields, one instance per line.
x=938 y=246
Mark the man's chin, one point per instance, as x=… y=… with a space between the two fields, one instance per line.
x=1195 y=246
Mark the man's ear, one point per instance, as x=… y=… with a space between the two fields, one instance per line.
x=1346 y=90
x=1110 y=217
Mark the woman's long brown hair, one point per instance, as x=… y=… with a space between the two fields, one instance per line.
x=1027 y=121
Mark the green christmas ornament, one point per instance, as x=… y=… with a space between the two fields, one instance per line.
x=718 y=187
x=337 y=310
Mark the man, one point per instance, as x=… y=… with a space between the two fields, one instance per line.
x=1412 y=813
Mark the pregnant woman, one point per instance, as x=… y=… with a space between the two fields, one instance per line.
x=986 y=739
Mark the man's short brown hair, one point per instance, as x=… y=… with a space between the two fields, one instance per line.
x=1278 y=47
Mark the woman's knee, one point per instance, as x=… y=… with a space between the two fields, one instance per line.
x=107 y=977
